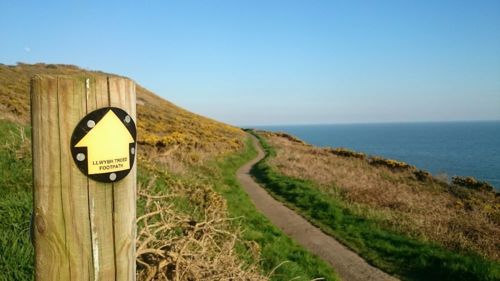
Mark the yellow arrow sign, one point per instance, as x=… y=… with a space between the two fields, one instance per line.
x=107 y=145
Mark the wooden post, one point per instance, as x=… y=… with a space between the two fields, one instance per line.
x=83 y=229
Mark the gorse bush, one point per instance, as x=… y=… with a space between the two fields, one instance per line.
x=373 y=160
x=389 y=163
x=290 y=137
x=422 y=175
x=344 y=152
x=472 y=183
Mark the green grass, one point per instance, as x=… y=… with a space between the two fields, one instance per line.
x=16 y=251
x=408 y=258
x=275 y=246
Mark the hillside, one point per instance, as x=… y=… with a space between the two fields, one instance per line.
x=161 y=123
x=170 y=140
x=194 y=220
x=396 y=216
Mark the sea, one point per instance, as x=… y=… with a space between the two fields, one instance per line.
x=442 y=148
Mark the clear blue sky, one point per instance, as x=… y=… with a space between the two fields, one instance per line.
x=279 y=62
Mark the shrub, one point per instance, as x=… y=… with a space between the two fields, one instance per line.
x=472 y=183
x=389 y=163
x=422 y=175
x=344 y=152
x=289 y=137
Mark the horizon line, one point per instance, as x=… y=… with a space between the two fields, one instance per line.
x=369 y=123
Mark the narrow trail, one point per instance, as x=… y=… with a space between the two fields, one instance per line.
x=347 y=264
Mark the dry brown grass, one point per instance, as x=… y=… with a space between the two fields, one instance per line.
x=455 y=217
x=175 y=245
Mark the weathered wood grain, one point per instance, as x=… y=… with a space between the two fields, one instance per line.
x=84 y=230
x=74 y=197
x=122 y=93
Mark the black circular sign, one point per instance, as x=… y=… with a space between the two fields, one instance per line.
x=103 y=144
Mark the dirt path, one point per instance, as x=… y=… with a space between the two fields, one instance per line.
x=346 y=263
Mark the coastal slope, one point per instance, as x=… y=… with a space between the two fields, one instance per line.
x=397 y=217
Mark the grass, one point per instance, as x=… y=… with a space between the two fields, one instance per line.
x=212 y=235
x=167 y=135
x=275 y=246
x=164 y=199
x=184 y=231
x=16 y=251
x=260 y=250
x=398 y=254
x=407 y=200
